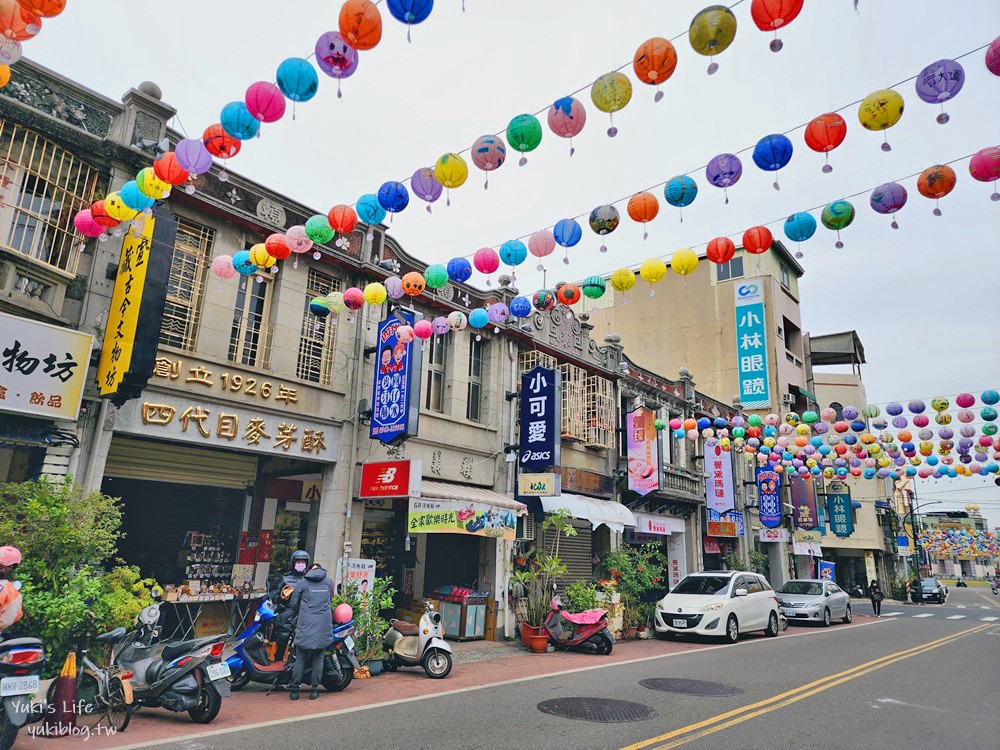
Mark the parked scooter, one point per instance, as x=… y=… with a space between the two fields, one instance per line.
x=179 y=676
x=583 y=631
x=21 y=663
x=250 y=663
x=409 y=645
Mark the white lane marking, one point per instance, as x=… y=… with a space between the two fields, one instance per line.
x=990 y=619
x=983 y=606
x=956 y=617
x=959 y=606
x=924 y=615
x=911 y=705
x=892 y=614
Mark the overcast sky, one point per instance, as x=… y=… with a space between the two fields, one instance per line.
x=924 y=298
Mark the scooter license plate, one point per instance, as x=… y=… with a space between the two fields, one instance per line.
x=219 y=671
x=349 y=642
x=18 y=685
x=679 y=623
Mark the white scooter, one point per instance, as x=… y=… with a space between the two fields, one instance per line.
x=409 y=645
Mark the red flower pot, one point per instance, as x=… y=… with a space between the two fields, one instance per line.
x=539 y=643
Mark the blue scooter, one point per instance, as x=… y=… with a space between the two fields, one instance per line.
x=250 y=662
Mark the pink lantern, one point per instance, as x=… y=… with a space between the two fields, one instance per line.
x=423 y=329
x=985 y=167
x=265 y=101
x=85 y=224
x=486 y=260
x=405 y=334
x=993 y=57
x=541 y=244
x=354 y=298
x=298 y=241
x=222 y=266
x=488 y=153
x=965 y=400
x=567 y=118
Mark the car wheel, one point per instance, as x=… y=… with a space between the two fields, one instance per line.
x=848 y=615
x=732 y=630
x=772 y=626
x=826 y=618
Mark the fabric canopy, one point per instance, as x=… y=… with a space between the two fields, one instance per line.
x=430 y=490
x=613 y=515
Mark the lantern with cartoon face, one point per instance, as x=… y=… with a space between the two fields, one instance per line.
x=413 y=284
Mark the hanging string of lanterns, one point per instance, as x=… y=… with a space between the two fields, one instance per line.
x=20 y=21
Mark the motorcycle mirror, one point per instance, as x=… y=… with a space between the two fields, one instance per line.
x=18 y=585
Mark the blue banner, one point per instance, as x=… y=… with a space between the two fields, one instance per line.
x=838 y=503
x=769 y=497
x=396 y=393
x=541 y=390
x=751 y=346
x=826 y=571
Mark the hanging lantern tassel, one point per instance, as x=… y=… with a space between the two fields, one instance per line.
x=486 y=185
x=776 y=44
x=895 y=224
x=838 y=244
x=937 y=207
x=658 y=95
x=725 y=192
x=447 y=199
x=566 y=256
x=295 y=263
x=612 y=131
x=572 y=150
x=827 y=168
x=339 y=95
x=885 y=142
x=712 y=66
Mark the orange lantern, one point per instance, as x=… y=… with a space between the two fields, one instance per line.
x=343 y=219
x=44 y=8
x=643 y=207
x=936 y=182
x=757 y=240
x=414 y=283
x=568 y=294
x=17 y=22
x=654 y=62
x=824 y=133
x=721 y=250
x=4 y=75
x=361 y=24
x=219 y=142
x=771 y=15
x=169 y=170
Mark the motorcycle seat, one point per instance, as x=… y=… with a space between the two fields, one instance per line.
x=20 y=642
x=112 y=636
x=173 y=650
x=405 y=628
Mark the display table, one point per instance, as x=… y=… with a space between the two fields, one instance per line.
x=219 y=613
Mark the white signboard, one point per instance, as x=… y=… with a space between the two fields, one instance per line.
x=360 y=574
x=774 y=535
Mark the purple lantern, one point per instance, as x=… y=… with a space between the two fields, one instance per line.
x=498 y=313
x=940 y=82
x=193 y=156
x=335 y=56
x=888 y=199
x=425 y=186
x=440 y=325
x=724 y=171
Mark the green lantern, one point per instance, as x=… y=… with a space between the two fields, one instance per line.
x=836 y=216
x=435 y=276
x=318 y=229
x=810 y=417
x=659 y=424
x=594 y=287
x=524 y=133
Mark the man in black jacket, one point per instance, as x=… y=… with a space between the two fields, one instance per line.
x=313 y=628
x=284 y=624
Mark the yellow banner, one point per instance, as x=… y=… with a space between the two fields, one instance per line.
x=126 y=301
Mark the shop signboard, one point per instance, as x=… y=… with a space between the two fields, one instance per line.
x=722 y=528
x=838 y=503
x=538 y=485
x=389 y=479
x=719 y=493
x=586 y=482
x=751 y=345
x=265 y=545
x=807 y=537
x=655 y=525
x=541 y=390
x=360 y=574
x=805 y=513
x=460 y=517
x=396 y=392
x=769 y=497
x=773 y=535
x=733 y=515
x=711 y=545
x=870 y=565
x=643 y=442
x=132 y=330
x=826 y=570
x=43 y=368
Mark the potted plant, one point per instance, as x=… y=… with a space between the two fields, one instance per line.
x=370 y=625
x=537 y=582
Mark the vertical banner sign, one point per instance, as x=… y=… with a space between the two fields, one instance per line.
x=396 y=393
x=643 y=451
x=769 y=497
x=751 y=346
x=805 y=512
x=826 y=570
x=719 y=494
x=133 y=328
x=838 y=504
x=540 y=419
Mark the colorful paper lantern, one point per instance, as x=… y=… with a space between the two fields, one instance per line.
x=568 y=294
x=459 y=270
x=623 y=279
x=711 y=32
x=319 y=307
x=611 y=93
x=680 y=191
x=566 y=119
x=222 y=267
x=543 y=300
x=824 y=133
x=5 y=74
x=168 y=169
x=799 y=227
x=413 y=283
x=888 y=199
x=654 y=62
x=423 y=329
x=684 y=262
x=260 y=257
x=335 y=301
x=604 y=220
x=643 y=208
x=354 y=298
x=10 y=53
x=238 y=122
x=939 y=82
x=520 y=307
x=771 y=15
x=277 y=246
x=567 y=232
x=375 y=293
x=993 y=57
x=936 y=182
x=361 y=24
x=100 y=216
x=836 y=216
x=593 y=287
x=486 y=261
x=297 y=79
x=193 y=155
x=85 y=224
x=984 y=166
x=440 y=325
x=370 y=211
x=724 y=171
x=524 y=133
x=457 y=321
x=513 y=253
x=757 y=240
x=318 y=229
x=151 y=185
x=488 y=153
x=772 y=153
x=134 y=198
x=343 y=219
x=336 y=57
x=264 y=101
x=298 y=239
x=219 y=143
x=435 y=276
x=393 y=196
x=17 y=22
x=880 y=110
x=478 y=318
x=720 y=250
x=44 y=8
x=652 y=271
x=425 y=186
x=394 y=287
x=451 y=171
x=541 y=244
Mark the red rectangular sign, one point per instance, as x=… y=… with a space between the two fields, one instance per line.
x=385 y=479
x=722 y=528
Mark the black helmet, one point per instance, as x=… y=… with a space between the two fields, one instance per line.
x=300 y=554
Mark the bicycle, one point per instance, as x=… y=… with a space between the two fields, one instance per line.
x=103 y=694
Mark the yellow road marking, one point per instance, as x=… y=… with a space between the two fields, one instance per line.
x=744 y=713
x=993 y=603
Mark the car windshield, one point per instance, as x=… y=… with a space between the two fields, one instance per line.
x=929 y=583
x=706 y=585
x=802 y=587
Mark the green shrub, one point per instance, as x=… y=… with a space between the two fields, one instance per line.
x=581 y=596
x=370 y=624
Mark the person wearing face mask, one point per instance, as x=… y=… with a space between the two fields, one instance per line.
x=284 y=624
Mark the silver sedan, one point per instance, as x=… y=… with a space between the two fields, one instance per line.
x=813 y=600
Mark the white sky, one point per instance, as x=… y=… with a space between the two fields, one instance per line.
x=923 y=299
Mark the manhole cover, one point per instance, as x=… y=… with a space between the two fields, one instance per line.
x=600 y=710
x=690 y=687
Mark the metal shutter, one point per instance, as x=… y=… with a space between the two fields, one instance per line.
x=130 y=458
x=575 y=552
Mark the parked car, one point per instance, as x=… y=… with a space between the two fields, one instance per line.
x=813 y=600
x=718 y=603
x=930 y=590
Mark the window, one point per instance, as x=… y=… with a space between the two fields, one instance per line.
x=574 y=401
x=438 y=354
x=785 y=280
x=316 y=341
x=732 y=269
x=753 y=584
x=42 y=187
x=474 y=407
x=599 y=412
x=250 y=339
x=186 y=285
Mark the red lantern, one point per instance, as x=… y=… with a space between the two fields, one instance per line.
x=771 y=15
x=568 y=294
x=342 y=218
x=44 y=8
x=825 y=133
x=993 y=57
x=277 y=246
x=643 y=207
x=757 y=240
x=168 y=169
x=18 y=23
x=101 y=216
x=219 y=142
x=721 y=250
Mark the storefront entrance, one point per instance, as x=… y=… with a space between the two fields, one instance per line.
x=452 y=560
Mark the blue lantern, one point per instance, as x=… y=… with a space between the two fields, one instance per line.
x=799 y=227
x=680 y=191
x=134 y=198
x=238 y=122
x=479 y=318
x=520 y=307
x=369 y=209
x=393 y=197
x=242 y=263
x=410 y=11
x=513 y=252
x=567 y=232
x=704 y=423
x=459 y=269
x=297 y=79
x=773 y=152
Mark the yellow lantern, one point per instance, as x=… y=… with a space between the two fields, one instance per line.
x=712 y=31
x=653 y=270
x=880 y=110
x=684 y=262
x=115 y=207
x=610 y=93
x=451 y=170
x=152 y=186
x=622 y=280
x=375 y=293
x=260 y=257
x=803 y=429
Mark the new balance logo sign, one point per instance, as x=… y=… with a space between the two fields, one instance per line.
x=387 y=475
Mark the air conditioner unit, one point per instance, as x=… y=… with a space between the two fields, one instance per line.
x=788 y=398
x=526 y=528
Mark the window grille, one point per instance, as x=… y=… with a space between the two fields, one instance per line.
x=251 y=336
x=574 y=390
x=599 y=413
x=186 y=285
x=317 y=340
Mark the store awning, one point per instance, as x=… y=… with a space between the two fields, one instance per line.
x=612 y=514
x=430 y=490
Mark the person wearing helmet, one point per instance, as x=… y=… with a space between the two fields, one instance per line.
x=10 y=596
x=284 y=624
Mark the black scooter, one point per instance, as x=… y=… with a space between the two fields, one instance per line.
x=21 y=663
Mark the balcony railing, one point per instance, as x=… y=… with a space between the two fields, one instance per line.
x=685 y=483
